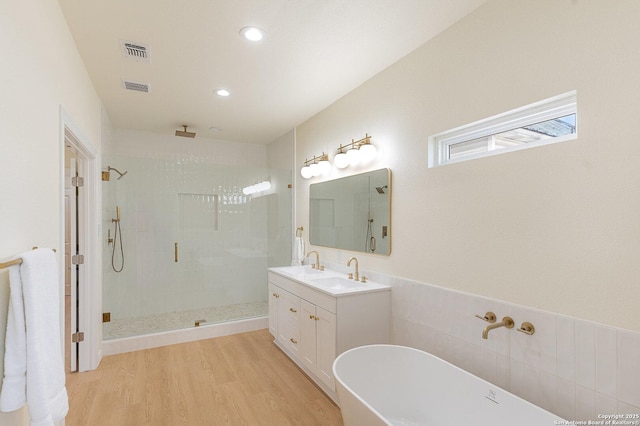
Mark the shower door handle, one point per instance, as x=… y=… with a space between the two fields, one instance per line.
x=175 y=252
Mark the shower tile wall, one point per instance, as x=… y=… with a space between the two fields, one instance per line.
x=187 y=196
x=576 y=369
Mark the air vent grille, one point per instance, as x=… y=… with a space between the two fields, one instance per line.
x=136 y=51
x=138 y=87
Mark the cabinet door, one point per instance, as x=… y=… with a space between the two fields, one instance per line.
x=273 y=310
x=326 y=346
x=289 y=321
x=308 y=320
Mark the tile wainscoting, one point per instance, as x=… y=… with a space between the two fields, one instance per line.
x=573 y=368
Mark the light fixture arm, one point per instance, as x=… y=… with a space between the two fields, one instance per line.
x=316 y=159
x=355 y=144
x=358 y=151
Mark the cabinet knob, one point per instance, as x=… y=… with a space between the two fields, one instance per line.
x=293 y=341
x=293 y=310
x=311 y=317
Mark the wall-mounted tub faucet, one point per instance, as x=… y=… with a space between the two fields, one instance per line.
x=356 y=275
x=317 y=264
x=506 y=322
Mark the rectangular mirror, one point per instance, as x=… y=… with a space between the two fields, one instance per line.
x=352 y=213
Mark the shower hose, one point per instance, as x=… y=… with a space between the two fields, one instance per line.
x=117 y=236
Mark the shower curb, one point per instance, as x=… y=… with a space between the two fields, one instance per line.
x=155 y=340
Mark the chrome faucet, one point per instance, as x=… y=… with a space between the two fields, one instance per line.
x=356 y=275
x=506 y=322
x=317 y=264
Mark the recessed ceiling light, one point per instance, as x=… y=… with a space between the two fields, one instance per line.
x=252 y=33
x=222 y=92
x=214 y=129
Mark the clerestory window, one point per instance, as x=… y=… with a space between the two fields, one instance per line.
x=549 y=121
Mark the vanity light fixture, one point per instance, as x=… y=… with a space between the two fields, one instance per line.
x=360 y=151
x=317 y=166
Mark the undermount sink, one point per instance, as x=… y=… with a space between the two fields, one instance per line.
x=336 y=283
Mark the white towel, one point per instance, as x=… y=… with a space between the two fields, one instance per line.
x=298 y=251
x=13 y=392
x=34 y=367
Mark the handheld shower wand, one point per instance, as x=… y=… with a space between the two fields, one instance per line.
x=117 y=235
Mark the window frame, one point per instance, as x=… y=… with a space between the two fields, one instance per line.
x=547 y=109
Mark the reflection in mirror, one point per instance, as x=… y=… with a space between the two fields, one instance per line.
x=352 y=213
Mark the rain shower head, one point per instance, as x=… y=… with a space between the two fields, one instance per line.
x=109 y=168
x=184 y=133
x=381 y=189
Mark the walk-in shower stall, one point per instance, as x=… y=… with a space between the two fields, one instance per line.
x=196 y=239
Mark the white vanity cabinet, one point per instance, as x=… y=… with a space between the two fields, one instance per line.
x=313 y=326
x=318 y=341
x=273 y=310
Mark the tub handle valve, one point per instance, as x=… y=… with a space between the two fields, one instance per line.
x=489 y=317
x=527 y=328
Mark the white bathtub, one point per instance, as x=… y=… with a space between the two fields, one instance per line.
x=397 y=385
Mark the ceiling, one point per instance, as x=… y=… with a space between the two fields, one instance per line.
x=314 y=52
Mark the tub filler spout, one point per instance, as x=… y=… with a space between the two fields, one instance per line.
x=506 y=322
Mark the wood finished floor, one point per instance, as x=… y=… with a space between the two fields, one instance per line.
x=242 y=379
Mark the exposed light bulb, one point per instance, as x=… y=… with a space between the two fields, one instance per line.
x=368 y=152
x=353 y=156
x=305 y=172
x=315 y=169
x=340 y=160
x=325 y=167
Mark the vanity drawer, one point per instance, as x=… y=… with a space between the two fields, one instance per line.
x=290 y=307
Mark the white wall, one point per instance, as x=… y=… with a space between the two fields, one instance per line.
x=554 y=227
x=41 y=73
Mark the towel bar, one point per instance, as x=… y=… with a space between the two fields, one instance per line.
x=17 y=261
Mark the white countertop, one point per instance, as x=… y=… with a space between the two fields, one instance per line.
x=327 y=281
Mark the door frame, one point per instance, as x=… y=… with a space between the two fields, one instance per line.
x=89 y=225
x=70 y=223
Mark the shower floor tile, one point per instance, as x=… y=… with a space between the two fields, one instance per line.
x=136 y=326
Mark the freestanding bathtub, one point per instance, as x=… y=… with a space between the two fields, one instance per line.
x=397 y=385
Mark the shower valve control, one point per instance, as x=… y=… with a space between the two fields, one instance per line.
x=489 y=317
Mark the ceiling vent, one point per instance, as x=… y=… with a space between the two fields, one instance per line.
x=138 y=87
x=136 y=51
